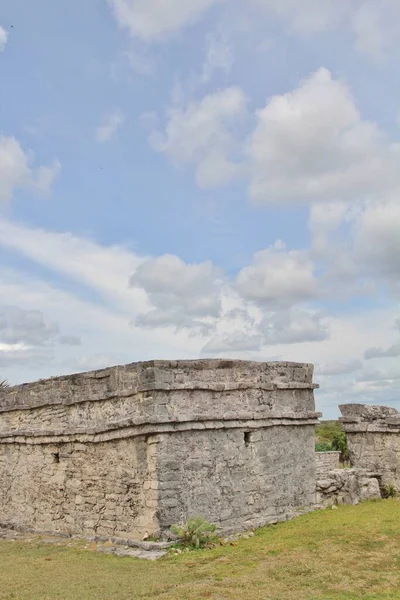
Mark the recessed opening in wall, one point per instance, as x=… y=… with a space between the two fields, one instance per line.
x=247 y=438
x=56 y=457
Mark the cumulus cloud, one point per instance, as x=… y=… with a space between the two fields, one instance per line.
x=25 y=326
x=375 y=25
x=278 y=277
x=3 y=38
x=293 y=327
x=311 y=144
x=149 y=20
x=236 y=341
x=202 y=134
x=16 y=171
x=46 y=175
x=339 y=368
x=23 y=332
x=377 y=238
x=14 y=167
x=108 y=128
x=18 y=354
x=378 y=375
x=392 y=351
x=180 y=293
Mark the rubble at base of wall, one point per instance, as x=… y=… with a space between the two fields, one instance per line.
x=346 y=486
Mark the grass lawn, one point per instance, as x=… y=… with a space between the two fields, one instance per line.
x=352 y=552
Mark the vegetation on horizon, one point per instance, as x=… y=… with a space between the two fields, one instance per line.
x=330 y=436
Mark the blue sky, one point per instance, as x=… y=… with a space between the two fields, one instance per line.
x=206 y=178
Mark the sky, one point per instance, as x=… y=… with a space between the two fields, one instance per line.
x=203 y=178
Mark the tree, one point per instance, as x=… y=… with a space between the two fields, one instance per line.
x=339 y=443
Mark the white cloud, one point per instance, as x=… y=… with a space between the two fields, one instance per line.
x=392 y=351
x=278 y=277
x=27 y=327
x=375 y=24
x=377 y=238
x=16 y=171
x=3 y=38
x=295 y=326
x=104 y=269
x=45 y=176
x=181 y=294
x=378 y=375
x=309 y=16
x=339 y=368
x=202 y=134
x=14 y=167
x=152 y=20
x=109 y=127
x=377 y=28
x=236 y=341
x=311 y=144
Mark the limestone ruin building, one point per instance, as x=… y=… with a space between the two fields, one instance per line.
x=373 y=437
x=128 y=451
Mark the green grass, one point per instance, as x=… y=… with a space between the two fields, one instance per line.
x=352 y=552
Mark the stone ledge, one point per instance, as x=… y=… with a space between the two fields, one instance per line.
x=124 y=431
x=217 y=375
x=133 y=392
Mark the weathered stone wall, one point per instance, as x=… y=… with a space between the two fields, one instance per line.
x=373 y=437
x=104 y=489
x=128 y=451
x=326 y=461
x=346 y=486
x=238 y=478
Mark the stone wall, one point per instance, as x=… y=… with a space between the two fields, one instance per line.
x=373 y=437
x=326 y=461
x=346 y=486
x=127 y=451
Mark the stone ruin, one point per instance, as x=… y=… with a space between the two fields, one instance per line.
x=128 y=451
x=373 y=438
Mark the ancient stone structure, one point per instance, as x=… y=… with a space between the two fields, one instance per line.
x=326 y=461
x=373 y=438
x=346 y=486
x=127 y=451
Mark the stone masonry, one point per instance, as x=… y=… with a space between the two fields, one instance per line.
x=326 y=461
x=373 y=438
x=128 y=451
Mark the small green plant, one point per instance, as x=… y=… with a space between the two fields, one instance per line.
x=339 y=443
x=195 y=533
x=3 y=385
x=323 y=446
x=388 y=491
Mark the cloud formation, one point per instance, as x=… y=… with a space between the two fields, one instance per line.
x=202 y=134
x=3 y=38
x=150 y=21
x=108 y=128
x=16 y=171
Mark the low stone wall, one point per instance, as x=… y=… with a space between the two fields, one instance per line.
x=373 y=438
x=326 y=461
x=346 y=486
